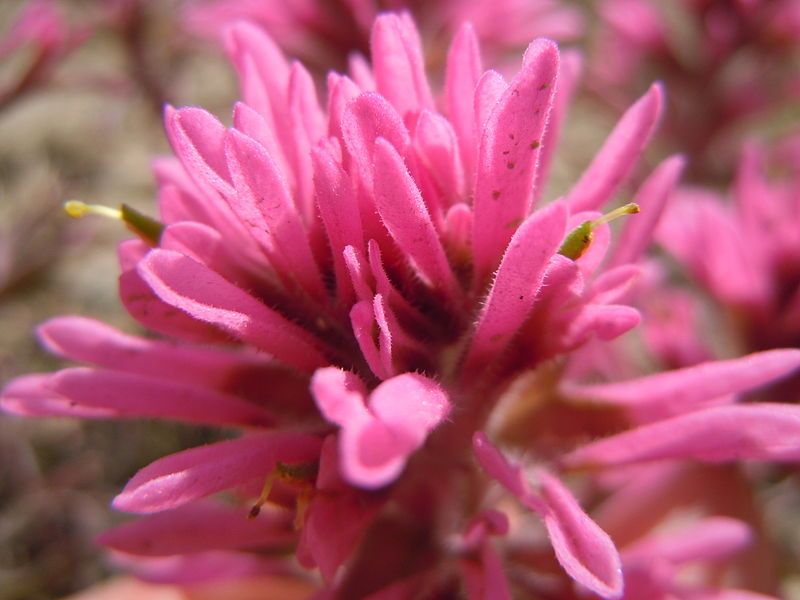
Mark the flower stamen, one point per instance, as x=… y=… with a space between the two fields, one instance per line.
x=147 y=228
x=578 y=240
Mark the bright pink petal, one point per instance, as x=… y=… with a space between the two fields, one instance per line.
x=490 y=88
x=362 y=320
x=129 y=395
x=399 y=65
x=339 y=211
x=437 y=147
x=619 y=153
x=206 y=296
x=678 y=391
x=404 y=214
x=709 y=539
x=718 y=434
x=29 y=396
x=462 y=74
x=259 y=183
x=199 y=527
x=366 y=119
x=509 y=153
x=151 y=311
x=516 y=283
x=180 y=478
x=197 y=138
x=652 y=196
x=584 y=550
x=86 y=340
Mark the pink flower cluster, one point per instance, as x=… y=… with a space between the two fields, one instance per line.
x=326 y=33
x=375 y=296
x=727 y=64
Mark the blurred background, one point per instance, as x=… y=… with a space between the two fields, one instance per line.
x=82 y=86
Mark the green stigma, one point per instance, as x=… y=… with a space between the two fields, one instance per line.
x=579 y=239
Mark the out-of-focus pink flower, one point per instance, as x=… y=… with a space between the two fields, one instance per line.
x=324 y=34
x=744 y=251
x=370 y=294
x=725 y=64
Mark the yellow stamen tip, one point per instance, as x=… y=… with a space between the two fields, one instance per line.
x=75 y=208
x=629 y=209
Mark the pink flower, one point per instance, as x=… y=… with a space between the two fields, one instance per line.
x=725 y=64
x=324 y=34
x=370 y=293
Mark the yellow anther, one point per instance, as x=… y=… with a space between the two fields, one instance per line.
x=300 y=476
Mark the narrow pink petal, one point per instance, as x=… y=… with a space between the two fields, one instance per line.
x=709 y=539
x=250 y=122
x=151 y=311
x=606 y=321
x=498 y=467
x=718 y=434
x=339 y=394
x=360 y=276
x=180 y=478
x=399 y=64
x=260 y=184
x=681 y=390
x=437 y=147
x=461 y=78
x=197 y=138
x=195 y=240
x=206 y=296
x=199 y=527
x=365 y=119
x=619 y=153
x=490 y=88
x=263 y=74
x=130 y=252
x=652 y=196
x=308 y=127
x=86 y=340
x=584 y=550
x=508 y=156
x=29 y=396
x=132 y=395
x=404 y=214
x=362 y=320
x=341 y=91
x=516 y=283
x=338 y=208
x=458 y=230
